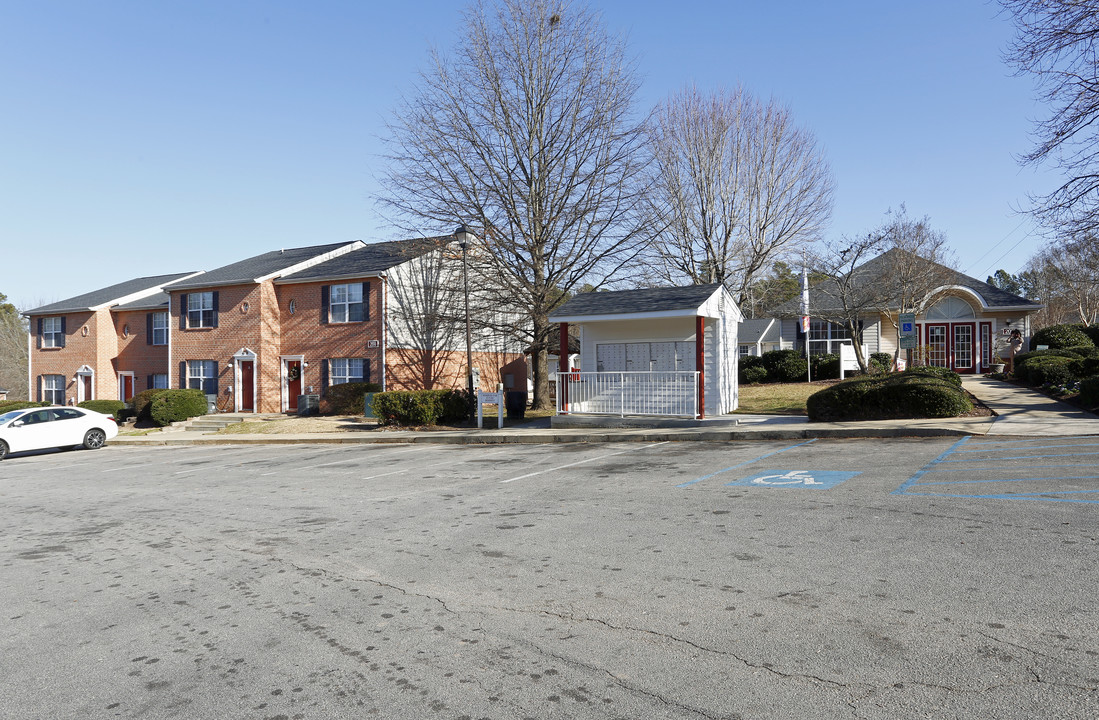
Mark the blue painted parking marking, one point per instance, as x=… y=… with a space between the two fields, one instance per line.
x=740 y=465
x=802 y=479
x=1005 y=474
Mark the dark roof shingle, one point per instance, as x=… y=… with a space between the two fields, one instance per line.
x=246 y=271
x=105 y=295
x=628 y=302
x=369 y=260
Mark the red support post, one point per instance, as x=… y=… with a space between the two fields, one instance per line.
x=700 y=362
x=563 y=366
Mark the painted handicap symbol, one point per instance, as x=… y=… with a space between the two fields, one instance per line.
x=809 y=479
x=793 y=477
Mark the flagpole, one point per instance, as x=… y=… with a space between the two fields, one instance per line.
x=805 y=320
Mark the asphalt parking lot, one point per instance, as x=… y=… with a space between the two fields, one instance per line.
x=934 y=578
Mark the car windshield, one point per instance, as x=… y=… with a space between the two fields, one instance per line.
x=9 y=416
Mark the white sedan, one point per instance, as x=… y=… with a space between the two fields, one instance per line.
x=54 y=427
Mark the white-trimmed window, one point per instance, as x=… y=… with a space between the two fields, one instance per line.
x=53 y=332
x=826 y=337
x=200 y=310
x=746 y=350
x=158 y=381
x=345 y=370
x=53 y=389
x=160 y=329
x=202 y=375
x=346 y=303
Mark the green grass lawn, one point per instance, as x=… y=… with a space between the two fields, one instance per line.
x=778 y=398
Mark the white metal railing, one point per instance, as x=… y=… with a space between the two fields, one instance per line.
x=628 y=393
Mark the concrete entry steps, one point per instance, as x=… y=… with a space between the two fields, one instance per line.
x=215 y=423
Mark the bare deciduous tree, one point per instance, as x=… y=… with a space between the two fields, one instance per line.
x=528 y=132
x=739 y=186
x=1056 y=43
x=899 y=267
x=13 y=351
x=1065 y=283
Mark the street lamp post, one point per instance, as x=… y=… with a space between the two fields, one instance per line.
x=464 y=237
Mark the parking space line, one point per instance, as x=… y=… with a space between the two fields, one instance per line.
x=1034 y=447
x=734 y=467
x=1010 y=480
x=930 y=466
x=581 y=462
x=976 y=443
x=402 y=451
x=1022 y=457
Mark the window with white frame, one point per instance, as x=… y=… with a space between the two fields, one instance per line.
x=202 y=375
x=746 y=350
x=52 y=332
x=346 y=303
x=200 y=310
x=826 y=337
x=160 y=328
x=345 y=370
x=53 y=389
x=158 y=381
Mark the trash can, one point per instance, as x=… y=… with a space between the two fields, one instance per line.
x=515 y=402
x=309 y=404
x=368 y=400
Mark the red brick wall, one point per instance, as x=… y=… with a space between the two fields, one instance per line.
x=80 y=349
x=135 y=354
x=411 y=369
x=303 y=332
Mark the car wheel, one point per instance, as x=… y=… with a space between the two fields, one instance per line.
x=3 y=449
x=94 y=439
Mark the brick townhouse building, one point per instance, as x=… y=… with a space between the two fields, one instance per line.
x=257 y=333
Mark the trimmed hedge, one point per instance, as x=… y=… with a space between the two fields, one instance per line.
x=143 y=400
x=1060 y=336
x=938 y=372
x=1092 y=331
x=1052 y=370
x=753 y=375
x=1089 y=392
x=785 y=366
x=909 y=394
x=9 y=405
x=881 y=362
x=348 y=398
x=175 y=405
x=826 y=367
x=107 y=407
x=420 y=407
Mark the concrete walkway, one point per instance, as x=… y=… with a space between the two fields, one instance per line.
x=1019 y=412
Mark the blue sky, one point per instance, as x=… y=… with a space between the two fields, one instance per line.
x=147 y=137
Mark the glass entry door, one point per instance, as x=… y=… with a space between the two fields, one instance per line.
x=938 y=354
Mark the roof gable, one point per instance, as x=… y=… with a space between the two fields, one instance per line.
x=685 y=300
x=368 y=260
x=268 y=265
x=124 y=292
x=823 y=296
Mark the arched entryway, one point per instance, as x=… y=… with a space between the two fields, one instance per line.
x=954 y=336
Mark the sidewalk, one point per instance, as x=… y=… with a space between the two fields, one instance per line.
x=1019 y=412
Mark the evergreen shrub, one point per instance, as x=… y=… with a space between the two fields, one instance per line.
x=1089 y=392
x=142 y=402
x=175 y=405
x=348 y=398
x=1060 y=336
x=113 y=408
x=785 y=366
x=420 y=407
x=909 y=394
x=9 y=405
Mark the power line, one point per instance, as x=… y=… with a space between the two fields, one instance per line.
x=996 y=245
x=997 y=261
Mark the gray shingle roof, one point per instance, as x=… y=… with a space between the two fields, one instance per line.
x=105 y=295
x=628 y=302
x=822 y=295
x=154 y=302
x=757 y=330
x=369 y=260
x=248 y=270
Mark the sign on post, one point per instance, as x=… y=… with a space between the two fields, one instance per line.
x=486 y=398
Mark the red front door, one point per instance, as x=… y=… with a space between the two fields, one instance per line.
x=247 y=381
x=126 y=387
x=293 y=384
x=86 y=381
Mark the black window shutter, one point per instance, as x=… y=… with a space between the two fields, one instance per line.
x=324 y=376
x=215 y=309
x=366 y=368
x=61 y=340
x=324 y=304
x=183 y=311
x=148 y=382
x=149 y=330
x=39 y=385
x=182 y=374
x=366 y=301
x=212 y=383
x=797 y=328
x=40 y=339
